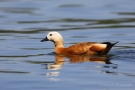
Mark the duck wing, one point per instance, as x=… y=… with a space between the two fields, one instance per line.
x=80 y=48
x=90 y=48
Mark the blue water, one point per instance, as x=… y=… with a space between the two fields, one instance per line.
x=28 y=64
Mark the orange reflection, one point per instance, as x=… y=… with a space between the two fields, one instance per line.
x=59 y=60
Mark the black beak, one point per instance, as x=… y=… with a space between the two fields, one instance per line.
x=45 y=39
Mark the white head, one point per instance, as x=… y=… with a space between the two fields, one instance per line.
x=54 y=37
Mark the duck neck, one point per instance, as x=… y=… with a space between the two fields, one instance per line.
x=59 y=44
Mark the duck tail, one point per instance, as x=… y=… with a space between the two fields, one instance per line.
x=109 y=43
x=114 y=43
x=109 y=46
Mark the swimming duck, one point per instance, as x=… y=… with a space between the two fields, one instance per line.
x=83 y=48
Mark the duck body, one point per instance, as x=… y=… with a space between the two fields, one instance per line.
x=83 y=48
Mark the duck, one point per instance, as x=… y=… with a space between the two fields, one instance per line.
x=82 y=48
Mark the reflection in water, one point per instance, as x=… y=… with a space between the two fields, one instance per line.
x=62 y=24
x=59 y=60
x=52 y=74
x=24 y=22
x=18 y=10
x=11 y=71
x=116 y=73
x=70 y=5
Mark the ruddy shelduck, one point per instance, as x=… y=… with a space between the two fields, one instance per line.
x=83 y=48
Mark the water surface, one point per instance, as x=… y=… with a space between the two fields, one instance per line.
x=26 y=63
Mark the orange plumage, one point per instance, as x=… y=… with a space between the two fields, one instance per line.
x=83 y=48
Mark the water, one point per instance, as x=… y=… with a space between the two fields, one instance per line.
x=28 y=64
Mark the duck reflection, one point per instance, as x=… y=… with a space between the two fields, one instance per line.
x=59 y=60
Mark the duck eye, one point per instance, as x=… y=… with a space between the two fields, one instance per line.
x=50 y=34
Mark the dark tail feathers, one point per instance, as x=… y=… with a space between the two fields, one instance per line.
x=109 y=43
x=109 y=46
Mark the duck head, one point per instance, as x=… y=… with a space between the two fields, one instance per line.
x=54 y=37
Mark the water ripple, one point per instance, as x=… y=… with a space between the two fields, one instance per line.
x=17 y=72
